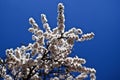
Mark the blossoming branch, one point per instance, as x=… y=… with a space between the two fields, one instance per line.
x=49 y=51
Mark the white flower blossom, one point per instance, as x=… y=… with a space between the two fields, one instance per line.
x=50 y=50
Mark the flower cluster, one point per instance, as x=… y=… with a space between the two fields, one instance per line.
x=50 y=50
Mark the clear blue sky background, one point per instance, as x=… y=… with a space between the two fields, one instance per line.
x=100 y=16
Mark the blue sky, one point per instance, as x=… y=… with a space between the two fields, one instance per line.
x=99 y=16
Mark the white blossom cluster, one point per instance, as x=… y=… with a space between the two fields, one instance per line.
x=50 y=50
